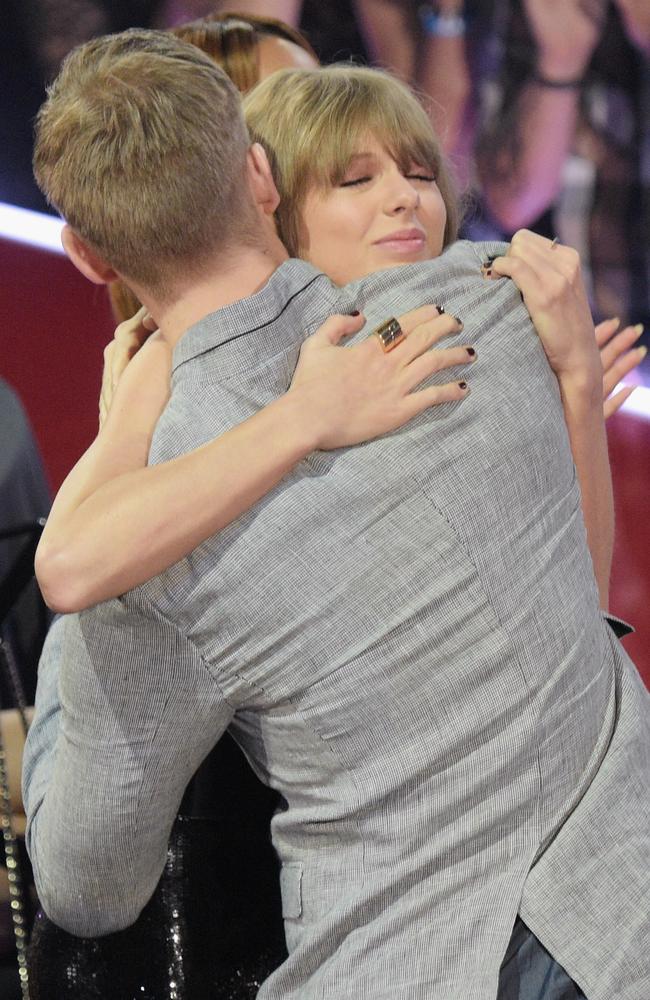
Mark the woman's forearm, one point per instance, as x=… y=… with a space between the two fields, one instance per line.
x=116 y=523
x=120 y=523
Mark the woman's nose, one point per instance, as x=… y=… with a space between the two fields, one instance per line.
x=401 y=195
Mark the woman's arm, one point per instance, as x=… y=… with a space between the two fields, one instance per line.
x=550 y=280
x=116 y=523
x=521 y=179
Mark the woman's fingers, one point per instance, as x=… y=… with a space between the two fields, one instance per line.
x=618 y=358
x=415 y=355
x=106 y=391
x=606 y=330
x=622 y=367
x=434 y=395
x=336 y=328
x=430 y=327
x=427 y=364
x=129 y=337
x=613 y=347
x=614 y=403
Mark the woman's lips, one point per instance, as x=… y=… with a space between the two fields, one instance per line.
x=405 y=241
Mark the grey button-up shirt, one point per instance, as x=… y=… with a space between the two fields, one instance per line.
x=405 y=639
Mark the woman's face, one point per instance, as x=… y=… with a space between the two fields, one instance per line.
x=376 y=217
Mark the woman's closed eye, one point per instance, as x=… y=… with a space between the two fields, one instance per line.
x=424 y=178
x=355 y=181
x=417 y=172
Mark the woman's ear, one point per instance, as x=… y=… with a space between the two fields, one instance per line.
x=85 y=259
x=261 y=179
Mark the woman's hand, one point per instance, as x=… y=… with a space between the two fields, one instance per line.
x=357 y=393
x=127 y=341
x=550 y=280
x=549 y=277
x=618 y=357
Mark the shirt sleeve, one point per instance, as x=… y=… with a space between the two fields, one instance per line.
x=126 y=711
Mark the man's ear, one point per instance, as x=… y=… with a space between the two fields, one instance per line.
x=86 y=260
x=261 y=180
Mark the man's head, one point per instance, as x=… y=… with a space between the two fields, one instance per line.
x=142 y=147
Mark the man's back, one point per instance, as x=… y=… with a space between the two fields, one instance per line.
x=406 y=631
x=405 y=639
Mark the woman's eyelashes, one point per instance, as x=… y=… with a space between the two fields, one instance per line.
x=354 y=181
x=418 y=175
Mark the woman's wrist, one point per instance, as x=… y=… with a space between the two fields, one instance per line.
x=301 y=423
x=583 y=385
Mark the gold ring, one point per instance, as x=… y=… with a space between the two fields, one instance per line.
x=389 y=335
x=554 y=243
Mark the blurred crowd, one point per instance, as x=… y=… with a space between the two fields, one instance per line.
x=543 y=106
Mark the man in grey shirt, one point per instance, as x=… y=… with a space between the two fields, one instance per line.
x=404 y=637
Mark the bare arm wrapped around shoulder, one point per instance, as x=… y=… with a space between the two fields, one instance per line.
x=117 y=522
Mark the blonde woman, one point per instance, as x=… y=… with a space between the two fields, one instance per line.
x=116 y=523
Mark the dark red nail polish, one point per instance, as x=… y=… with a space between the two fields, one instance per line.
x=462 y=385
x=355 y=312
x=440 y=309
x=471 y=352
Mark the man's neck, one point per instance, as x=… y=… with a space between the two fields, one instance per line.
x=240 y=275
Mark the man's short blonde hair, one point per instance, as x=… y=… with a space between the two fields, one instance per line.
x=141 y=146
x=311 y=121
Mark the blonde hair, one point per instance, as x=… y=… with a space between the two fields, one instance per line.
x=310 y=123
x=142 y=147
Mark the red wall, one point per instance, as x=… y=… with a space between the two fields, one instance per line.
x=629 y=450
x=55 y=325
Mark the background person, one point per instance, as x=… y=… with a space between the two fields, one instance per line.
x=564 y=149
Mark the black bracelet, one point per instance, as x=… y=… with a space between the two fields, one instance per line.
x=543 y=81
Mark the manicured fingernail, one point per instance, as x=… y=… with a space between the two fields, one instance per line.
x=471 y=352
x=487 y=271
x=462 y=385
x=440 y=309
x=639 y=328
x=642 y=352
x=459 y=321
x=355 y=312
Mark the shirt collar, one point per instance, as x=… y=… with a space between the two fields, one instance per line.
x=251 y=313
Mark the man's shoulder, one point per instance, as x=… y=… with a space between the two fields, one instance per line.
x=295 y=296
x=453 y=281
x=462 y=259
